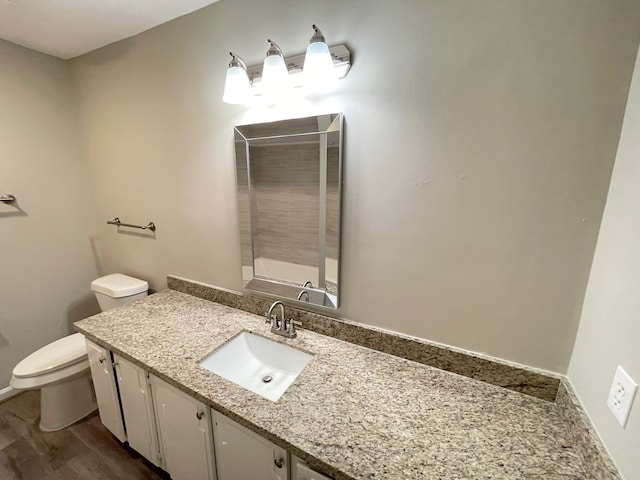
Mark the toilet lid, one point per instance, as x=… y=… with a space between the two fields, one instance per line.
x=117 y=285
x=52 y=357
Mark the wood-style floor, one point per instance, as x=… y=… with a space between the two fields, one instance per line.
x=85 y=450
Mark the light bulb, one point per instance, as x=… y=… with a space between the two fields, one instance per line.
x=318 y=71
x=237 y=89
x=275 y=76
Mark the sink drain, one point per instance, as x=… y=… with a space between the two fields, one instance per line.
x=267 y=378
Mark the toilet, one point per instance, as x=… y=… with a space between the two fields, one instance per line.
x=61 y=369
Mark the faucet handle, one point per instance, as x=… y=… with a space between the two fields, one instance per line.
x=292 y=327
x=273 y=319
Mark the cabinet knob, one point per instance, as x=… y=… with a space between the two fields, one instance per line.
x=199 y=415
x=101 y=359
x=278 y=462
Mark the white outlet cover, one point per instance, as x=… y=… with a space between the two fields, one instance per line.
x=623 y=390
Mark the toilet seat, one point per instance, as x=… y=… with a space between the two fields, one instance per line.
x=54 y=362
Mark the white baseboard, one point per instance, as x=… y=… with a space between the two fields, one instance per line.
x=7 y=393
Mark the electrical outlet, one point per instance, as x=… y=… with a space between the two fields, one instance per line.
x=620 y=400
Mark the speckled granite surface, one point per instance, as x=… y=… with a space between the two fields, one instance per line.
x=515 y=378
x=353 y=413
x=584 y=438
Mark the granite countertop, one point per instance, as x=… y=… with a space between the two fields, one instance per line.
x=353 y=412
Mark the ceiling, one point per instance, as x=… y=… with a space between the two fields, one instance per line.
x=68 y=28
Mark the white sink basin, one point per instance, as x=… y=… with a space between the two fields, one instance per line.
x=258 y=364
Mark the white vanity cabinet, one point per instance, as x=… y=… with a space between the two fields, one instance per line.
x=104 y=383
x=241 y=454
x=301 y=471
x=137 y=408
x=166 y=426
x=184 y=431
x=178 y=433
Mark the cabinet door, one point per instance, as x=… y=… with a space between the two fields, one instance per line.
x=242 y=454
x=137 y=408
x=184 y=430
x=301 y=471
x=104 y=383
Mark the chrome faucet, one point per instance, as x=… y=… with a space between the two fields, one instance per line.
x=276 y=323
x=284 y=327
x=307 y=284
x=301 y=294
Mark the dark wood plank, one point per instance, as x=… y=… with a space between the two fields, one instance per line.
x=125 y=461
x=83 y=451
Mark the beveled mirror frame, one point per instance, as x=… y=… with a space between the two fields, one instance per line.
x=289 y=145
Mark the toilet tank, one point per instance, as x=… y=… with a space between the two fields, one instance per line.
x=116 y=290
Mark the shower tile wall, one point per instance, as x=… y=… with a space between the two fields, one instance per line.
x=286 y=191
x=243 y=204
x=333 y=201
x=285 y=202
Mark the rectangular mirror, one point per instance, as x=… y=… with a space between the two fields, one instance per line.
x=289 y=184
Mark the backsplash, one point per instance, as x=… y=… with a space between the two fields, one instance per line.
x=587 y=443
x=512 y=377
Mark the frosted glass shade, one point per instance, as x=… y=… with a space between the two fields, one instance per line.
x=275 y=77
x=237 y=89
x=318 y=71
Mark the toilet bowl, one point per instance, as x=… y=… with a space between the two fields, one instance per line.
x=61 y=369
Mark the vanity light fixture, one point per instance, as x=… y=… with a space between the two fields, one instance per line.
x=237 y=88
x=317 y=69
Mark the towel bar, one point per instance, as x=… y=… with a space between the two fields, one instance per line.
x=116 y=221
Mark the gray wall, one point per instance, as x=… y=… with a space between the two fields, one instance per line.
x=46 y=255
x=609 y=327
x=480 y=138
